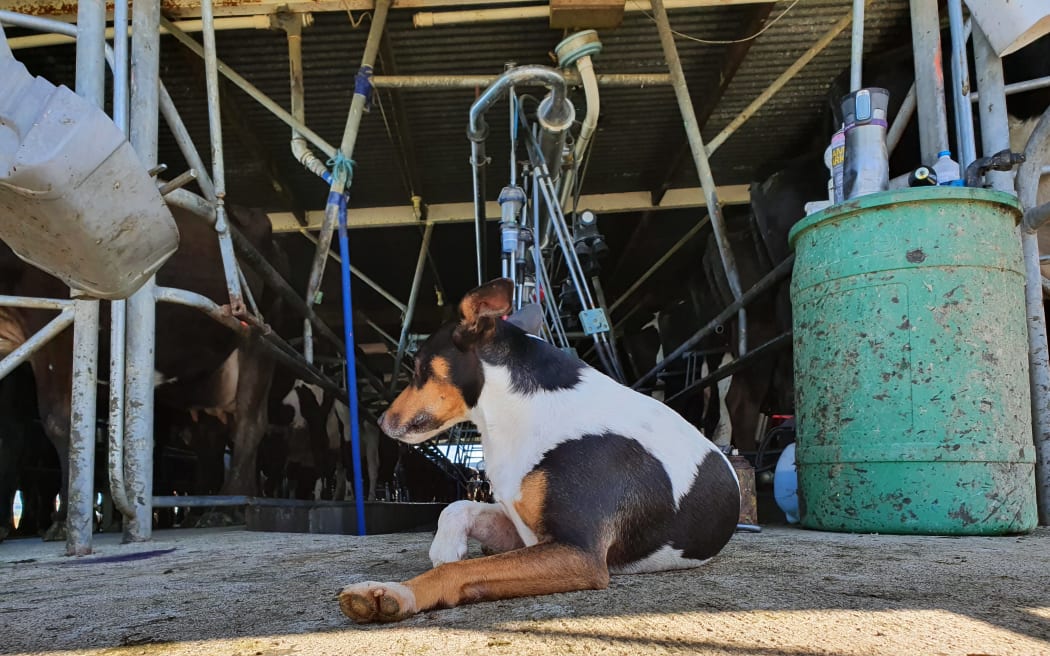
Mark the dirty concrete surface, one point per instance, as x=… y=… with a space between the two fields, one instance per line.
x=230 y=592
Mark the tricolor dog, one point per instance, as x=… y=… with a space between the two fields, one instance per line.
x=590 y=477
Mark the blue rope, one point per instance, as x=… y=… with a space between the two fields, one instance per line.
x=344 y=163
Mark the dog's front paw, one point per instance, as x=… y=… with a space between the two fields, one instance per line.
x=377 y=602
x=447 y=549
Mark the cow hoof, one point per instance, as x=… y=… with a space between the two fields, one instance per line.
x=56 y=532
x=377 y=602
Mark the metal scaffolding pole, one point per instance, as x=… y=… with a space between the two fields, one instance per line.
x=1037 y=153
x=118 y=309
x=250 y=89
x=929 y=79
x=185 y=142
x=413 y=298
x=779 y=83
x=341 y=172
x=964 y=133
x=856 y=62
x=659 y=263
x=781 y=271
x=141 y=308
x=995 y=136
x=12 y=360
x=218 y=176
x=703 y=167
x=80 y=502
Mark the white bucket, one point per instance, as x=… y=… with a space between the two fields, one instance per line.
x=1011 y=24
x=75 y=200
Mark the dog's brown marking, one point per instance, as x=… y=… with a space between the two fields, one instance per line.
x=537 y=570
x=437 y=396
x=533 y=498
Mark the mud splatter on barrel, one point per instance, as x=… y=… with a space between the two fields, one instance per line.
x=911 y=367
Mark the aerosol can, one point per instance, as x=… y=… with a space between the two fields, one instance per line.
x=835 y=159
x=866 y=167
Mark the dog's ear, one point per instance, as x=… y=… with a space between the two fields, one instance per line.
x=481 y=308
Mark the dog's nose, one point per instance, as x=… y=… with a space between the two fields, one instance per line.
x=384 y=424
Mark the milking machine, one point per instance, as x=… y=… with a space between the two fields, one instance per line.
x=550 y=257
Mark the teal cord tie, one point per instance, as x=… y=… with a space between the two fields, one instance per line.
x=344 y=163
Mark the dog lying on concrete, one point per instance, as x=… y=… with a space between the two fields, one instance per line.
x=589 y=477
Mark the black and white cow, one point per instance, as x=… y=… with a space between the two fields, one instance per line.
x=316 y=429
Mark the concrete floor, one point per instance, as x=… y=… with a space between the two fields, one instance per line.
x=230 y=592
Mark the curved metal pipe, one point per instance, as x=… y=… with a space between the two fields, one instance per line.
x=557 y=115
x=1037 y=153
x=300 y=148
x=585 y=66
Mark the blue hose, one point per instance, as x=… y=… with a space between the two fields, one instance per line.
x=351 y=362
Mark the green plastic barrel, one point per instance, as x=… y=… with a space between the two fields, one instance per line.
x=911 y=365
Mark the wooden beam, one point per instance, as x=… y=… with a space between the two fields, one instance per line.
x=64 y=9
x=402 y=215
x=590 y=14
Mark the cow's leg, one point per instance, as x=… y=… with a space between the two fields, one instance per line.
x=371 y=449
x=723 y=431
x=53 y=373
x=485 y=522
x=7 y=496
x=249 y=426
x=745 y=400
x=541 y=569
x=12 y=441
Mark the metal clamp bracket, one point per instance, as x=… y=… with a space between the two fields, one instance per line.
x=594 y=321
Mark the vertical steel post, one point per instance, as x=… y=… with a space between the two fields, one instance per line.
x=80 y=504
x=120 y=65
x=1038 y=370
x=929 y=79
x=961 y=87
x=995 y=123
x=118 y=309
x=413 y=297
x=856 y=62
x=1037 y=153
x=703 y=167
x=995 y=136
x=339 y=175
x=141 y=307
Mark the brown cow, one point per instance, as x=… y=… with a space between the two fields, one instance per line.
x=199 y=364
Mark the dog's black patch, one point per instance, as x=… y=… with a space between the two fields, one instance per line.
x=708 y=513
x=599 y=483
x=534 y=365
